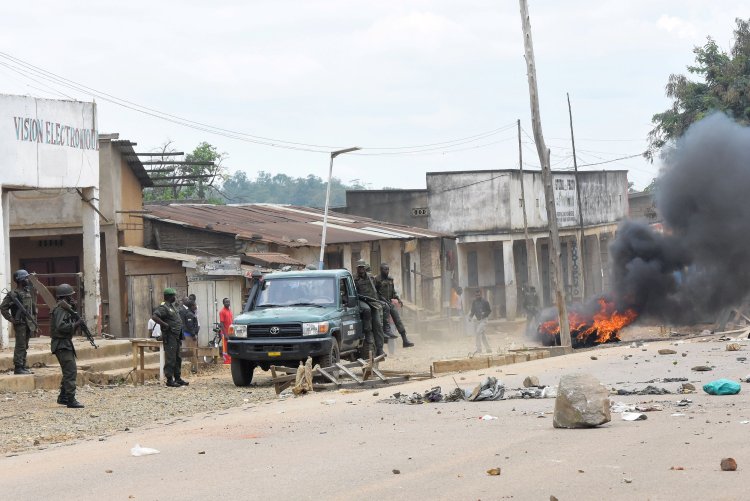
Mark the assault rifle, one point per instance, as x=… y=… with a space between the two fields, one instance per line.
x=21 y=313
x=76 y=317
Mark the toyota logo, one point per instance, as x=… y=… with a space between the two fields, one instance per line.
x=274 y=330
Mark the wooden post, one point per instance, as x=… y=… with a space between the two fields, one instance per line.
x=580 y=209
x=549 y=195
x=529 y=273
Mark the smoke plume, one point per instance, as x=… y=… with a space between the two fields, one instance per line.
x=701 y=263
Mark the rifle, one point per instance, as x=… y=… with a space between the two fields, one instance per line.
x=76 y=317
x=21 y=313
x=369 y=300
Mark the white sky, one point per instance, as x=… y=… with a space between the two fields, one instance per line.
x=391 y=73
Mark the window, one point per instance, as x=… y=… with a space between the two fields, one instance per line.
x=297 y=291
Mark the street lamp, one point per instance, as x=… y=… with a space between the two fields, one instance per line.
x=334 y=154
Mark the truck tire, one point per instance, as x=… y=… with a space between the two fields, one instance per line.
x=332 y=357
x=242 y=372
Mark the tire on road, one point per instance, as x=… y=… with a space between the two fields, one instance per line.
x=242 y=372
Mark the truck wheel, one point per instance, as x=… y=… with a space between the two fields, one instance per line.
x=332 y=357
x=242 y=372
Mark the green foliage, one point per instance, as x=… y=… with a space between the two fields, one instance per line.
x=651 y=186
x=724 y=86
x=197 y=180
x=308 y=191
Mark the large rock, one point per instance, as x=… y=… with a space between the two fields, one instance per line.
x=582 y=402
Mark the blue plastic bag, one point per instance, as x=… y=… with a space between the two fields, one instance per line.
x=722 y=387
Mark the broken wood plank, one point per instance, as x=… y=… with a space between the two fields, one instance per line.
x=460 y=364
x=325 y=374
x=372 y=383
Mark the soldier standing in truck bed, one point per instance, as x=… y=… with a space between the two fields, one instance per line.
x=22 y=326
x=387 y=291
x=371 y=308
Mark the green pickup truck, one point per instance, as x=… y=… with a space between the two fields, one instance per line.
x=290 y=316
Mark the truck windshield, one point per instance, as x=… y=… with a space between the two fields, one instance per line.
x=313 y=291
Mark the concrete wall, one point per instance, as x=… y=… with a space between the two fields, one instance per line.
x=489 y=202
x=393 y=206
x=643 y=206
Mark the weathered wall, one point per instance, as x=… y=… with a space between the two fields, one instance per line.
x=489 y=202
x=394 y=206
x=643 y=206
x=171 y=237
x=47 y=143
x=47 y=209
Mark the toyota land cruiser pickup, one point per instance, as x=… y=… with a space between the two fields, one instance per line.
x=290 y=316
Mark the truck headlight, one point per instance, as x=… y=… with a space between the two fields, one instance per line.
x=239 y=330
x=314 y=328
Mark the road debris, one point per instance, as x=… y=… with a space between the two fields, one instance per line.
x=494 y=472
x=487 y=417
x=138 y=451
x=678 y=468
x=530 y=381
x=686 y=388
x=648 y=390
x=728 y=464
x=734 y=347
x=722 y=387
x=633 y=416
x=667 y=351
x=702 y=368
x=582 y=402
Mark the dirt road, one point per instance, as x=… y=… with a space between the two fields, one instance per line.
x=350 y=445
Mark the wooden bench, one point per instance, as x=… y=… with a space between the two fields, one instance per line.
x=139 y=346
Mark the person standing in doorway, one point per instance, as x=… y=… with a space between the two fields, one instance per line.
x=225 y=319
x=23 y=319
x=168 y=317
x=62 y=328
x=480 y=310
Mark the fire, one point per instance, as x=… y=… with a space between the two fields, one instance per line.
x=603 y=326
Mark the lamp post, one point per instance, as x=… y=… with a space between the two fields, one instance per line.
x=334 y=154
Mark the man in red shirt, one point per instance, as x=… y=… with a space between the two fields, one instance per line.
x=225 y=319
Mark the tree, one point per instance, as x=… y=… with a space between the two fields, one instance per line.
x=724 y=85
x=308 y=191
x=193 y=182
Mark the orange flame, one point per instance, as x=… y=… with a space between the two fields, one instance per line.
x=602 y=327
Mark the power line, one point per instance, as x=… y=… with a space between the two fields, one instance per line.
x=27 y=70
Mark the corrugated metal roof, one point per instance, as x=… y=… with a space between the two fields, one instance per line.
x=174 y=256
x=288 y=225
x=126 y=149
x=270 y=259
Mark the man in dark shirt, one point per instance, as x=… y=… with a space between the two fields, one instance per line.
x=371 y=309
x=387 y=290
x=168 y=317
x=480 y=310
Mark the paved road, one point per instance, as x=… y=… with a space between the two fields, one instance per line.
x=346 y=446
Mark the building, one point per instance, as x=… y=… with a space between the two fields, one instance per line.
x=252 y=230
x=485 y=211
x=643 y=207
x=50 y=193
x=407 y=207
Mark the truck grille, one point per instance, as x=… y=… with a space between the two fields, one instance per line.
x=265 y=330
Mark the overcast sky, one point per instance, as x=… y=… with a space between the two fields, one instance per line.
x=386 y=74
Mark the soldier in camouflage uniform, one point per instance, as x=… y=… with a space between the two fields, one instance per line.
x=387 y=291
x=62 y=328
x=168 y=317
x=22 y=327
x=371 y=309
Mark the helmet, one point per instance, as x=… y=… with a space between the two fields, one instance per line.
x=19 y=275
x=384 y=266
x=64 y=290
x=169 y=291
x=362 y=263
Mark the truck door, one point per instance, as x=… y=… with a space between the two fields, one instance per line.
x=351 y=322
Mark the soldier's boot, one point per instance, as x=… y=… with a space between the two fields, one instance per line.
x=407 y=343
x=181 y=382
x=20 y=369
x=62 y=398
x=171 y=383
x=72 y=403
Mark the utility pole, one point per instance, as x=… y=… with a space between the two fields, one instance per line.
x=529 y=273
x=578 y=195
x=549 y=195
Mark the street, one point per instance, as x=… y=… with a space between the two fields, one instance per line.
x=337 y=445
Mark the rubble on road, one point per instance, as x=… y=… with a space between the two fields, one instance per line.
x=582 y=402
x=648 y=390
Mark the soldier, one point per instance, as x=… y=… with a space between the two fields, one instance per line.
x=62 y=329
x=22 y=325
x=372 y=309
x=387 y=291
x=167 y=316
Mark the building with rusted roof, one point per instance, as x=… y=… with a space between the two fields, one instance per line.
x=252 y=231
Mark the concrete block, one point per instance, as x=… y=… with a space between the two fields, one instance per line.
x=16 y=382
x=497 y=360
x=460 y=364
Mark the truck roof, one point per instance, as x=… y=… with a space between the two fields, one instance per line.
x=307 y=274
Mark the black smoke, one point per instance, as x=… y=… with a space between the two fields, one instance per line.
x=700 y=264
